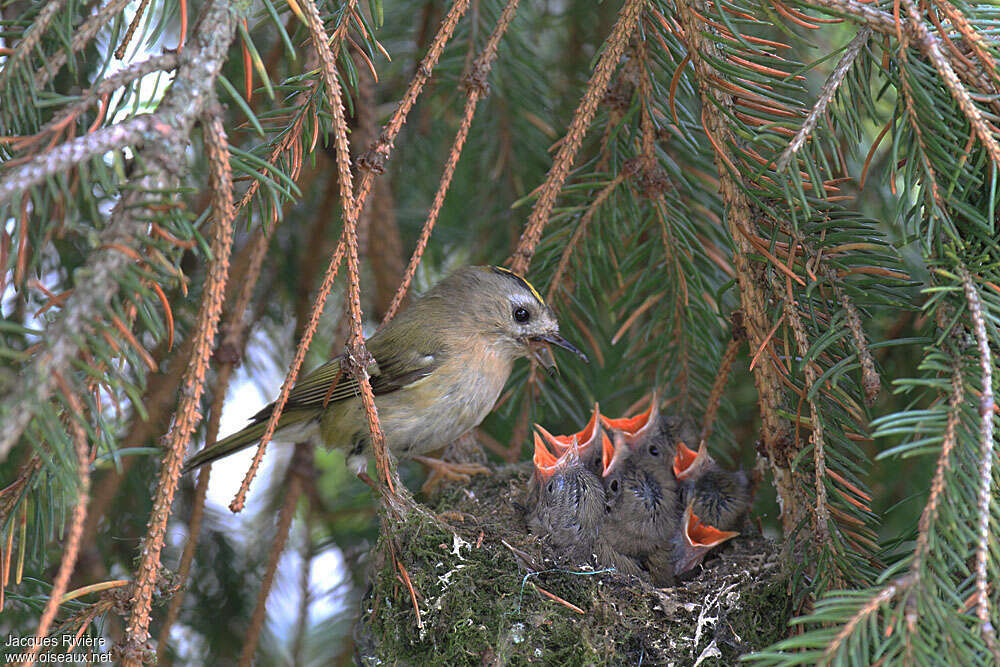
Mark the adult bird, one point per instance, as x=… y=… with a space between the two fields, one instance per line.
x=439 y=367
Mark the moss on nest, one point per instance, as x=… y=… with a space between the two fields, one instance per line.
x=479 y=579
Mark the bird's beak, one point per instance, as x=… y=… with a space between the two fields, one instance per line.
x=607 y=454
x=635 y=427
x=558 y=443
x=545 y=461
x=687 y=462
x=588 y=435
x=620 y=452
x=556 y=339
x=698 y=539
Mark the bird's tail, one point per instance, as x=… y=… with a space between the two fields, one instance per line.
x=237 y=441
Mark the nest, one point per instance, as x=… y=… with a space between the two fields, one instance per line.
x=490 y=593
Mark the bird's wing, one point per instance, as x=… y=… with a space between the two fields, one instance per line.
x=333 y=381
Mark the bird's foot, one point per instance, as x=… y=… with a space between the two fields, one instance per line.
x=447 y=470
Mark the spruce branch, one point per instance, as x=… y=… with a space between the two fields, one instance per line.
x=851 y=52
x=753 y=295
x=985 y=465
x=81 y=37
x=476 y=87
x=187 y=415
x=182 y=104
x=931 y=48
x=929 y=515
x=72 y=548
x=580 y=231
x=628 y=20
x=148 y=128
x=134 y=72
x=916 y=31
x=28 y=42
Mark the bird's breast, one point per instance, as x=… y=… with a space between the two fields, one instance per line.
x=453 y=399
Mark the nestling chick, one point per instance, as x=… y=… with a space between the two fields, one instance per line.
x=715 y=500
x=569 y=509
x=439 y=367
x=586 y=440
x=720 y=498
x=570 y=502
x=694 y=540
x=641 y=498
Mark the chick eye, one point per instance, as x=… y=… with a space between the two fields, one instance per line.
x=521 y=314
x=614 y=486
x=549 y=487
x=654 y=450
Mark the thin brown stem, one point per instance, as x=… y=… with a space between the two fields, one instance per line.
x=628 y=19
x=285 y=516
x=187 y=415
x=72 y=548
x=476 y=89
x=985 y=466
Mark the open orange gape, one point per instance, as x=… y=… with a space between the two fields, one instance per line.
x=639 y=463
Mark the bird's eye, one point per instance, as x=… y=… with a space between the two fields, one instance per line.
x=521 y=314
x=654 y=450
x=614 y=486
x=549 y=487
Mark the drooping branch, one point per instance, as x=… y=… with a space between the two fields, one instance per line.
x=751 y=280
x=476 y=89
x=187 y=415
x=826 y=95
x=198 y=68
x=986 y=456
x=628 y=19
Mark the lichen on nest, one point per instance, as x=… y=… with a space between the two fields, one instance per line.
x=491 y=594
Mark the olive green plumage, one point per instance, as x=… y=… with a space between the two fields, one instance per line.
x=439 y=367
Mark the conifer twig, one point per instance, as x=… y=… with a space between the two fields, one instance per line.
x=985 y=466
x=825 y=96
x=930 y=512
x=476 y=89
x=932 y=49
x=72 y=548
x=614 y=47
x=187 y=415
x=581 y=229
x=81 y=37
x=147 y=127
x=28 y=42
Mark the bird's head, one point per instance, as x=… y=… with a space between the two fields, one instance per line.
x=502 y=307
x=567 y=488
x=691 y=465
x=696 y=540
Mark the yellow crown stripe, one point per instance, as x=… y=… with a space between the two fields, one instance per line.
x=531 y=288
